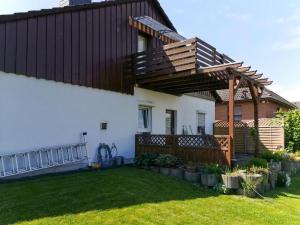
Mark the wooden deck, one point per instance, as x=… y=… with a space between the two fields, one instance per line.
x=194 y=148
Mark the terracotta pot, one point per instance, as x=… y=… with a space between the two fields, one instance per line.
x=177 y=172
x=231 y=181
x=164 y=171
x=209 y=180
x=192 y=176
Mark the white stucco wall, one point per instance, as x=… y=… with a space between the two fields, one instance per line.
x=38 y=113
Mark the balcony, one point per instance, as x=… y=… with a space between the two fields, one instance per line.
x=188 y=66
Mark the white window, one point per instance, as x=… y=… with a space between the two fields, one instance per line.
x=200 y=123
x=145 y=119
x=142 y=43
x=237 y=113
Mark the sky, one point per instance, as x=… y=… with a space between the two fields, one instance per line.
x=263 y=33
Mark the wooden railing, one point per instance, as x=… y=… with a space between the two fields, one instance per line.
x=185 y=56
x=195 y=148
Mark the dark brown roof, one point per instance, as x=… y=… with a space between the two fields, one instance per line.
x=44 y=12
x=243 y=94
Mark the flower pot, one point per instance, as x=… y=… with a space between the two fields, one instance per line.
x=177 y=172
x=273 y=179
x=209 y=180
x=275 y=166
x=267 y=187
x=289 y=167
x=154 y=169
x=164 y=171
x=231 y=181
x=265 y=178
x=192 y=176
x=118 y=161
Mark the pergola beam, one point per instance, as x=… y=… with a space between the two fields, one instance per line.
x=220 y=67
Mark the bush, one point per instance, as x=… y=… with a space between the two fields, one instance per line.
x=283 y=180
x=291 y=128
x=258 y=170
x=258 y=162
x=275 y=156
x=146 y=159
x=167 y=160
x=212 y=169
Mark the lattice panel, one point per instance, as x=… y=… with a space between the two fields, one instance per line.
x=196 y=141
x=223 y=141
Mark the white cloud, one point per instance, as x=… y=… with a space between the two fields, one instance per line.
x=238 y=16
x=291 y=27
x=295 y=16
x=289 y=92
x=290 y=44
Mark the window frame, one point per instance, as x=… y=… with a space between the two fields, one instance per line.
x=149 y=118
x=238 y=115
x=198 y=127
x=146 y=39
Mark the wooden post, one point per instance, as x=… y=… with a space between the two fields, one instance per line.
x=255 y=99
x=231 y=114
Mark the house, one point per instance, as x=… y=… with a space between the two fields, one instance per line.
x=297 y=104
x=270 y=104
x=110 y=69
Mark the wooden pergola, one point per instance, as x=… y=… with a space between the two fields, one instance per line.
x=192 y=65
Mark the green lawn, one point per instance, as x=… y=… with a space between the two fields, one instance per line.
x=131 y=196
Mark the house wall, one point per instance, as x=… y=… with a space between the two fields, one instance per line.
x=39 y=113
x=84 y=45
x=266 y=110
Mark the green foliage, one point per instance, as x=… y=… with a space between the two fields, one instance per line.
x=282 y=179
x=167 y=160
x=258 y=162
x=212 y=169
x=258 y=170
x=249 y=186
x=222 y=189
x=291 y=128
x=275 y=156
x=146 y=159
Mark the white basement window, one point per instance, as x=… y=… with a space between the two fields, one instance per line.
x=145 y=119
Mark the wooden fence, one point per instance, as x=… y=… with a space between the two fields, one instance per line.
x=194 y=148
x=271 y=135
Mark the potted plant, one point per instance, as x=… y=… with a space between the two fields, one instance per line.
x=146 y=161
x=231 y=179
x=249 y=188
x=191 y=172
x=210 y=175
x=176 y=169
x=273 y=158
x=264 y=172
x=289 y=164
x=166 y=162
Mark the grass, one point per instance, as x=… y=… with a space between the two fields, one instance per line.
x=132 y=196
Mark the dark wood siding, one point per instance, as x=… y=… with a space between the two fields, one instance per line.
x=84 y=47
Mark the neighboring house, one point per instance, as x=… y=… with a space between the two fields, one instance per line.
x=61 y=74
x=270 y=103
x=297 y=104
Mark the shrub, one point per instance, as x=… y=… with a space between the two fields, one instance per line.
x=274 y=156
x=283 y=180
x=167 y=160
x=212 y=169
x=258 y=162
x=291 y=128
x=258 y=170
x=146 y=159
